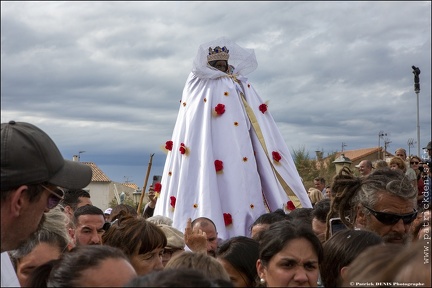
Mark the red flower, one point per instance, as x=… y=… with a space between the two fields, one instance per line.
x=218 y=165
x=220 y=109
x=169 y=145
x=182 y=148
x=157 y=187
x=290 y=205
x=173 y=201
x=263 y=108
x=227 y=219
x=276 y=156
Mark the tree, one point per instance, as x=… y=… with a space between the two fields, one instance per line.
x=128 y=201
x=310 y=168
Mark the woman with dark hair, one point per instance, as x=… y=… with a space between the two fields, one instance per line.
x=289 y=256
x=340 y=250
x=92 y=266
x=238 y=255
x=141 y=241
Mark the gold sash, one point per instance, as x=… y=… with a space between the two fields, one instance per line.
x=257 y=129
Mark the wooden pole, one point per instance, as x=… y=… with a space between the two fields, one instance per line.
x=145 y=184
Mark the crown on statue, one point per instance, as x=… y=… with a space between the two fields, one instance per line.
x=217 y=54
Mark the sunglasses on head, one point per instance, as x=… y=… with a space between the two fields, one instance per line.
x=391 y=219
x=55 y=196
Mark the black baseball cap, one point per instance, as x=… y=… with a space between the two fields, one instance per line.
x=30 y=156
x=429 y=146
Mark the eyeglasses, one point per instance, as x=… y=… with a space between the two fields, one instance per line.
x=55 y=196
x=391 y=219
x=414 y=163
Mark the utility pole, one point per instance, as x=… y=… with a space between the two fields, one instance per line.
x=410 y=143
x=416 y=72
x=381 y=134
x=386 y=144
x=343 y=145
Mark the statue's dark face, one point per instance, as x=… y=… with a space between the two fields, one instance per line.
x=221 y=65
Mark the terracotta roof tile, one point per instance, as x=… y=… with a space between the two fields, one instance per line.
x=355 y=155
x=131 y=185
x=98 y=175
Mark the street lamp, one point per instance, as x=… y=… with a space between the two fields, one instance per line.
x=341 y=162
x=416 y=72
x=136 y=196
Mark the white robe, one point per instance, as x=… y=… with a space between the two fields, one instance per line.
x=247 y=186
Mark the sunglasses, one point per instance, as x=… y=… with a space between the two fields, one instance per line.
x=391 y=219
x=55 y=196
x=414 y=163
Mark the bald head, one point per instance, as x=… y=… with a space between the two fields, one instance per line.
x=365 y=167
x=207 y=226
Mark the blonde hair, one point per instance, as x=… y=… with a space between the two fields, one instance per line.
x=315 y=195
x=208 y=265
x=381 y=164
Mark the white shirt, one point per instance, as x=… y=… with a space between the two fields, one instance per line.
x=8 y=275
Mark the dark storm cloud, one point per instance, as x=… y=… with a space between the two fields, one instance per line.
x=107 y=77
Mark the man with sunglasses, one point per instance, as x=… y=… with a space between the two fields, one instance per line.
x=386 y=204
x=32 y=172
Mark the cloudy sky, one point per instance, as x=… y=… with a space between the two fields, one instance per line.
x=106 y=77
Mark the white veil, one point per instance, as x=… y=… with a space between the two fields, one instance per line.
x=243 y=60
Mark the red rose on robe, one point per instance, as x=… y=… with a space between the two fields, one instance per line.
x=173 y=201
x=182 y=148
x=276 y=156
x=157 y=187
x=227 y=219
x=263 y=108
x=220 y=109
x=290 y=205
x=218 y=165
x=169 y=145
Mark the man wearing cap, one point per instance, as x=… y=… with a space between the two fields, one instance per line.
x=107 y=214
x=175 y=242
x=33 y=171
x=364 y=167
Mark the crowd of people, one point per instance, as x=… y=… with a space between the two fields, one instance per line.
x=56 y=238
x=366 y=230
x=65 y=241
